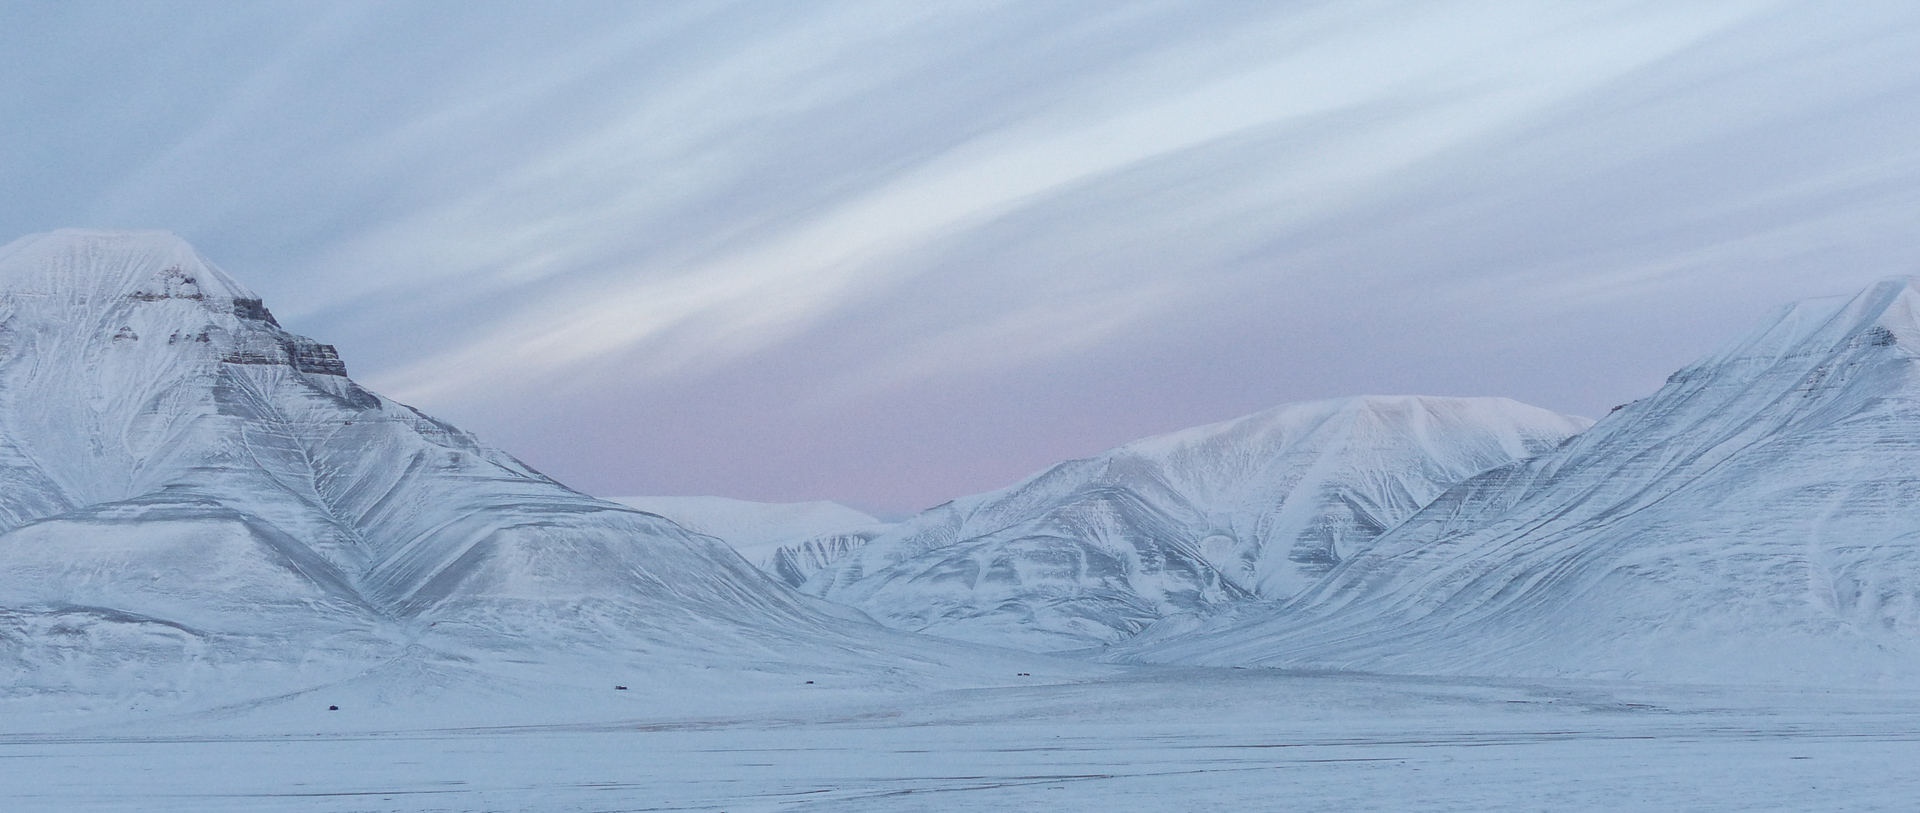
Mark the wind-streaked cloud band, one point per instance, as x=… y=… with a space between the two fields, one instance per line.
x=890 y=253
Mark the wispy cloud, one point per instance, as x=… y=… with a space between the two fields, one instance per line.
x=1446 y=78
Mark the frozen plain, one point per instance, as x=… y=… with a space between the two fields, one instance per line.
x=1147 y=738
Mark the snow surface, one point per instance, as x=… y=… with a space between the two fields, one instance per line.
x=770 y=535
x=1149 y=740
x=1180 y=526
x=198 y=506
x=1753 y=521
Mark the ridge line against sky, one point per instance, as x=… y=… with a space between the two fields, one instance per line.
x=893 y=253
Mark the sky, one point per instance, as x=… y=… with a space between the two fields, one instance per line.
x=893 y=253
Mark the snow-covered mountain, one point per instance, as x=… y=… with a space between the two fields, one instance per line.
x=1756 y=519
x=1091 y=551
x=796 y=562
x=190 y=494
x=775 y=537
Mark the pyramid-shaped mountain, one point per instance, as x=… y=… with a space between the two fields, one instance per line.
x=186 y=486
x=1757 y=519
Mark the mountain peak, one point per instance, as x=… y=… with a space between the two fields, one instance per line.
x=1885 y=314
x=97 y=265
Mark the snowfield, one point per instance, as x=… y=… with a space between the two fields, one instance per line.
x=1151 y=740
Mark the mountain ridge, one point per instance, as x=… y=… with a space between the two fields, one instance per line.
x=1743 y=523
x=1091 y=551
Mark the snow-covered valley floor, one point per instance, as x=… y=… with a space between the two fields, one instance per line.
x=1152 y=739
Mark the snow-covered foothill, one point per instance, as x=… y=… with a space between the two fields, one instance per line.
x=1752 y=521
x=1092 y=551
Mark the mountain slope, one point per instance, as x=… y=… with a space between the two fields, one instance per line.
x=193 y=494
x=796 y=562
x=1752 y=521
x=1092 y=551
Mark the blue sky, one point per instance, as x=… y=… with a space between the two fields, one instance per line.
x=891 y=253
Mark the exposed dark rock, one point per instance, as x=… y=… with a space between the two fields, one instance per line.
x=314 y=357
x=253 y=309
x=175 y=283
x=303 y=354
